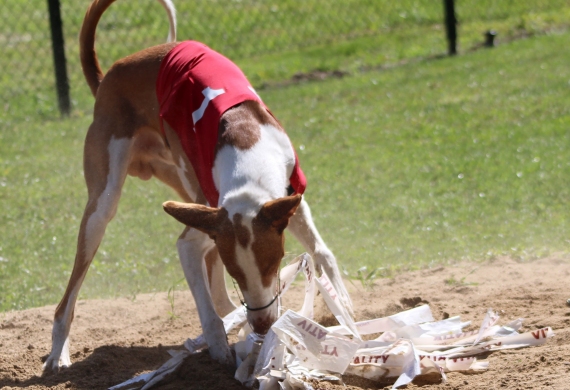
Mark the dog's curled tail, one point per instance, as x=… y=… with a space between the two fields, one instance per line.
x=171 y=12
x=89 y=62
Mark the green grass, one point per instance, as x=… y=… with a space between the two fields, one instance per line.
x=439 y=160
x=271 y=41
x=448 y=159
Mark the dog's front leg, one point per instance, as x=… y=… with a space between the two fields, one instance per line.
x=303 y=228
x=217 y=282
x=193 y=246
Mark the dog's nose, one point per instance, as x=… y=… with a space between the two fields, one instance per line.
x=261 y=324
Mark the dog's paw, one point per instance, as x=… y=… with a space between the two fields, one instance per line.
x=51 y=366
x=54 y=364
x=223 y=355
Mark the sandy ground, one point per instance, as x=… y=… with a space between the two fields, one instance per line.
x=113 y=340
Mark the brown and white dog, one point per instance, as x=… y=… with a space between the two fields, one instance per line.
x=253 y=162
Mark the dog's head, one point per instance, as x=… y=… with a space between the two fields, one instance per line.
x=251 y=248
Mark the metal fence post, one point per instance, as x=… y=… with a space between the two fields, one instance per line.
x=58 y=46
x=450 y=26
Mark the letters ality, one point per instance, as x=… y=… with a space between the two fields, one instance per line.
x=371 y=359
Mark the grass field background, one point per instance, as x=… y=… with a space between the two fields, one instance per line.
x=271 y=41
x=432 y=161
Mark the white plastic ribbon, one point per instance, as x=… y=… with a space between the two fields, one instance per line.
x=314 y=345
x=413 y=316
x=296 y=348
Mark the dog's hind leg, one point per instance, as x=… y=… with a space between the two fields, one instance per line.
x=106 y=161
x=301 y=225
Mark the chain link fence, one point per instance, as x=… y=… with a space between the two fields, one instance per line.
x=242 y=30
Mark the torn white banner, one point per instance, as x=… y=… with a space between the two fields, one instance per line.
x=529 y=339
x=297 y=349
x=340 y=312
x=380 y=363
x=413 y=316
x=491 y=318
x=314 y=345
x=244 y=373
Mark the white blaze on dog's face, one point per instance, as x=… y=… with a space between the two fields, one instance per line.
x=251 y=248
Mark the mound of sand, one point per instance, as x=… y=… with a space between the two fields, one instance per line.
x=114 y=340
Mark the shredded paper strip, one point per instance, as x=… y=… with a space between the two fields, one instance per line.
x=298 y=349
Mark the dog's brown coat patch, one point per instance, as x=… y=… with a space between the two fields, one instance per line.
x=239 y=126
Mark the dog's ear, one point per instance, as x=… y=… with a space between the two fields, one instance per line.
x=277 y=212
x=206 y=219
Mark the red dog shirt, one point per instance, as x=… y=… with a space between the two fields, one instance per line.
x=195 y=86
